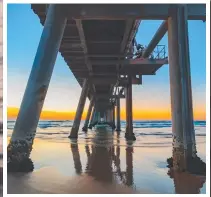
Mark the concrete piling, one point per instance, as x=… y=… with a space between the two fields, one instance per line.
x=80 y=108
x=85 y=128
x=180 y=88
x=118 y=124
x=129 y=135
x=25 y=127
x=114 y=120
x=92 y=117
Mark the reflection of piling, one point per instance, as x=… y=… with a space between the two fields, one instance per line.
x=88 y=156
x=129 y=166
x=100 y=164
x=26 y=124
x=76 y=158
x=180 y=86
x=80 y=108
x=186 y=183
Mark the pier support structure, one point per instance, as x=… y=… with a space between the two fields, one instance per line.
x=129 y=135
x=180 y=87
x=92 y=117
x=114 y=120
x=118 y=123
x=80 y=108
x=85 y=128
x=25 y=127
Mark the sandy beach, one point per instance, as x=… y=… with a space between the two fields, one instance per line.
x=102 y=162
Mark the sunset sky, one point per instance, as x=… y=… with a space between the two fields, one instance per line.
x=151 y=101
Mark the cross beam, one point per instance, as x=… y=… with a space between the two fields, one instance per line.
x=134 y=11
x=156 y=39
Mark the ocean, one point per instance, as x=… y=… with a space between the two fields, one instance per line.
x=148 y=133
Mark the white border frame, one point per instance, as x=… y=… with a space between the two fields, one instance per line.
x=104 y=1
x=4 y=99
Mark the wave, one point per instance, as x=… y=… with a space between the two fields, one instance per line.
x=136 y=124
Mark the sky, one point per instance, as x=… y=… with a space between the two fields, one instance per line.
x=151 y=101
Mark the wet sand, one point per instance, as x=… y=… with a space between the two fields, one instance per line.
x=102 y=167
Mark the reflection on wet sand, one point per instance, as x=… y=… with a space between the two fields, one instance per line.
x=100 y=164
x=101 y=158
x=186 y=183
x=76 y=158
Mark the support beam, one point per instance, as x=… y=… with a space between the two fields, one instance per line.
x=133 y=11
x=92 y=118
x=156 y=39
x=80 y=108
x=85 y=128
x=105 y=81
x=127 y=11
x=114 y=121
x=131 y=62
x=26 y=124
x=118 y=124
x=122 y=72
x=129 y=135
x=103 y=96
x=108 y=115
x=83 y=43
x=180 y=87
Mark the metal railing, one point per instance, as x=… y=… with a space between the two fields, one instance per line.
x=158 y=53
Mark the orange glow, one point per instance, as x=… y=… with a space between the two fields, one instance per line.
x=12 y=113
x=158 y=114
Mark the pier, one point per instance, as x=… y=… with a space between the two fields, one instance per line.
x=98 y=43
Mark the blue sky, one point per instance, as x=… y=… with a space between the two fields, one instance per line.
x=23 y=34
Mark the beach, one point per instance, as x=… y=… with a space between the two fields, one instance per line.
x=102 y=162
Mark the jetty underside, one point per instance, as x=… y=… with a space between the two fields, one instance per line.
x=98 y=43
x=100 y=49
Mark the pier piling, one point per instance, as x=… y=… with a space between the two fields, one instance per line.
x=85 y=128
x=80 y=108
x=25 y=127
x=118 y=124
x=92 y=117
x=129 y=135
x=180 y=88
